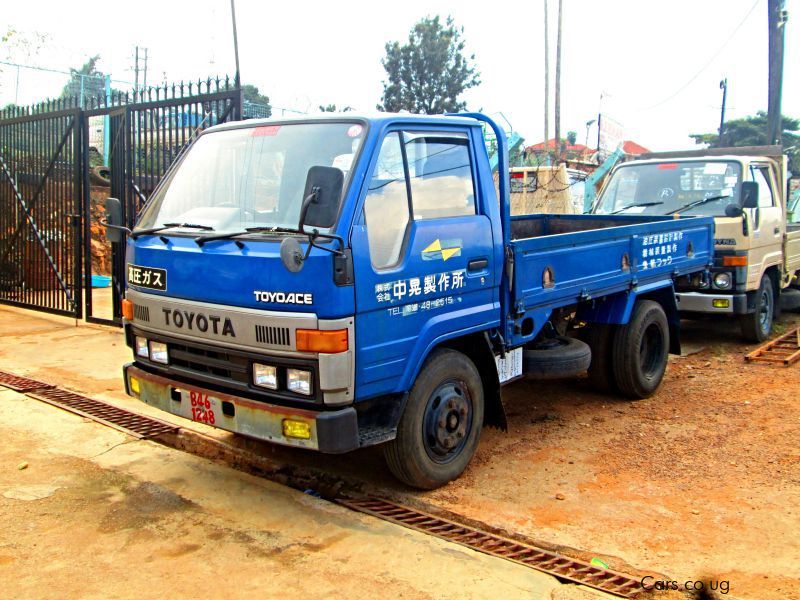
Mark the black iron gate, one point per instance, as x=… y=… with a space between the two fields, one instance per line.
x=146 y=136
x=53 y=252
x=41 y=198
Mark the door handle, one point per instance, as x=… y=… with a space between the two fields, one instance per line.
x=478 y=264
x=777 y=230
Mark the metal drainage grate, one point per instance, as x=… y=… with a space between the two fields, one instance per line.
x=131 y=423
x=488 y=543
x=21 y=384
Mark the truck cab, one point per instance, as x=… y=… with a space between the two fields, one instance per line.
x=757 y=251
x=335 y=282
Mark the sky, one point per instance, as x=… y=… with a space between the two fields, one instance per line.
x=654 y=67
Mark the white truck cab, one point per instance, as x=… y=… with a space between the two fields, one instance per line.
x=757 y=249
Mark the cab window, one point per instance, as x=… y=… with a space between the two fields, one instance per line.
x=760 y=175
x=440 y=174
x=386 y=209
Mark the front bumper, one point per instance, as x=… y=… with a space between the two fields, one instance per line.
x=698 y=302
x=332 y=432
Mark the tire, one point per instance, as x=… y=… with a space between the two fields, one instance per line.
x=640 y=351
x=556 y=358
x=100 y=176
x=441 y=424
x=600 y=338
x=757 y=326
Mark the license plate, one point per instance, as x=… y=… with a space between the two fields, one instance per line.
x=204 y=408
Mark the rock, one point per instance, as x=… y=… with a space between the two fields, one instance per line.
x=695 y=511
x=22 y=466
x=30 y=492
x=560 y=496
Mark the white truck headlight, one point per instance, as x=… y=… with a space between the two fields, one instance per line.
x=722 y=281
x=298 y=381
x=265 y=376
x=141 y=348
x=158 y=352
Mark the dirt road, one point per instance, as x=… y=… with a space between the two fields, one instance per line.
x=701 y=480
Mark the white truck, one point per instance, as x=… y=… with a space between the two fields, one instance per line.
x=757 y=249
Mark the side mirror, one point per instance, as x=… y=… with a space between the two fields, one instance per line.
x=113 y=222
x=733 y=210
x=749 y=193
x=322 y=196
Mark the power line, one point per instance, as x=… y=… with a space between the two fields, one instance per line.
x=707 y=64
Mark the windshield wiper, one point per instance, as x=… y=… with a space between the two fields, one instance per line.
x=313 y=236
x=698 y=203
x=200 y=240
x=137 y=232
x=640 y=205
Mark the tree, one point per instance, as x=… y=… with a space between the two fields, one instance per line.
x=572 y=137
x=252 y=96
x=86 y=79
x=333 y=108
x=752 y=131
x=429 y=73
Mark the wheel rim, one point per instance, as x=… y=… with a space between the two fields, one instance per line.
x=765 y=311
x=651 y=350
x=447 y=422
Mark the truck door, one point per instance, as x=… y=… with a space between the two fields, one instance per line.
x=423 y=254
x=768 y=226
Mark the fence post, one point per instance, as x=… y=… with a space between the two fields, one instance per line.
x=107 y=123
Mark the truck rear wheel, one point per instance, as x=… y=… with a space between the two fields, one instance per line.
x=640 y=351
x=600 y=338
x=756 y=326
x=440 y=427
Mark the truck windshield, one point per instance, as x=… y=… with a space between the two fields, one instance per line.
x=250 y=177
x=668 y=187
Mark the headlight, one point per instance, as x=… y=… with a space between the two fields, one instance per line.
x=298 y=381
x=722 y=281
x=141 y=347
x=265 y=376
x=158 y=352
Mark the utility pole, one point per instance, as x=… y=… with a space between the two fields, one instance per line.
x=558 y=85
x=235 y=43
x=546 y=80
x=777 y=29
x=136 y=71
x=723 y=85
x=144 y=78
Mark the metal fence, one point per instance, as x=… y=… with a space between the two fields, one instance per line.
x=55 y=158
x=40 y=204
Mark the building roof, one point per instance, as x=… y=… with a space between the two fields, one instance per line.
x=551 y=144
x=628 y=146
x=631 y=147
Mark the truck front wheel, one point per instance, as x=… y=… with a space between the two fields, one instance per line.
x=440 y=427
x=756 y=326
x=640 y=351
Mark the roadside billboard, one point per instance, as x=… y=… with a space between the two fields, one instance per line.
x=610 y=134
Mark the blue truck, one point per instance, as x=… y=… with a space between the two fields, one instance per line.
x=335 y=282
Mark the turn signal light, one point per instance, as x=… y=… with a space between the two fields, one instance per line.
x=721 y=303
x=127 y=310
x=314 y=340
x=734 y=261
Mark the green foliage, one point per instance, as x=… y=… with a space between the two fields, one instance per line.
x=429 y=73
x=572 y=137
x=93 y=81
x=333 y=108
x=252 y=95
x=752 y=131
